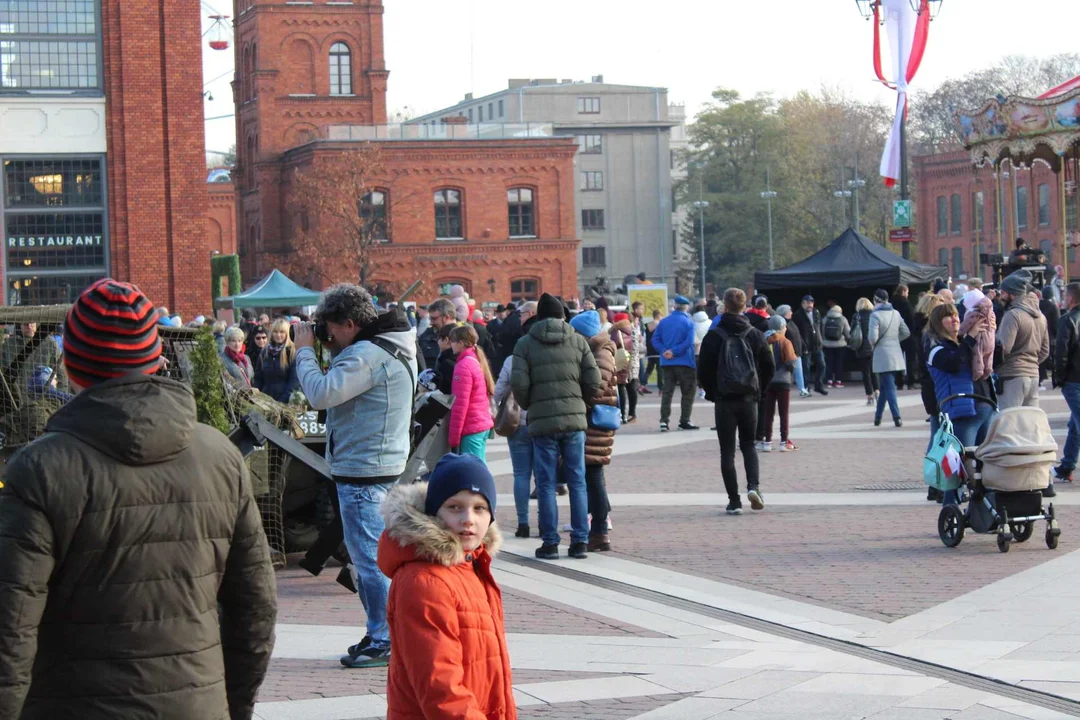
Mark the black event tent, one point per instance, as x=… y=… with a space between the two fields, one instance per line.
x=849 y=261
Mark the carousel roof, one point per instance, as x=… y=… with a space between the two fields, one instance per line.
x=1062 y=89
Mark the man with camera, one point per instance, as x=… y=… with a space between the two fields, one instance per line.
x=367 y=393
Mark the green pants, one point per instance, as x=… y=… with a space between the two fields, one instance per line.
x=475 y=444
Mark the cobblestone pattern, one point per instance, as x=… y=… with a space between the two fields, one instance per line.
x=598 y=709
x=876 y=562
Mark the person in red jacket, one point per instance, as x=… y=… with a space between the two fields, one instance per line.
x=445 y=610
x=473 y=388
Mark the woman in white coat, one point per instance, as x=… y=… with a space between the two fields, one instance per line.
x=886 y=331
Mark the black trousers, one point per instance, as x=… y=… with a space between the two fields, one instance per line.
x=653 y=364
x=737 y=416
x=599 y=506
x=869 y=379
x=628 y=397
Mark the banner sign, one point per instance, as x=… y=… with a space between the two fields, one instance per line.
x=653 y=297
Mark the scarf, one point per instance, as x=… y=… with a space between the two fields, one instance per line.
x=236 y=357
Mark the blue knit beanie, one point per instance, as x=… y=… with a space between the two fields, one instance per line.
x=587 y=323
x=455 y=473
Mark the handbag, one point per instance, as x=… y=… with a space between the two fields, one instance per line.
x=622 y=360
x=943 y=465
x=508 y=417
x=606 y=417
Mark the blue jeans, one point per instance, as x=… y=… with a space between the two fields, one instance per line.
x=970 y=431
x=521 y=457
x=799 y=382
x=814 y=368
x=643 y=379
x=546 y=452
x=887 y=383
x=361 y=517
x=1071 y=393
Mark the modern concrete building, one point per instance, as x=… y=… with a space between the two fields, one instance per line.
x=622 y=172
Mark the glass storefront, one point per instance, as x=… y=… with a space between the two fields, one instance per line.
x=55 y=229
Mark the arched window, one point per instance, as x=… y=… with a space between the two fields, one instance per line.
x=340 y=69
x=524 y=289
x=957 y=261
x=448 y=214
x=522 y=215
x=373 y=208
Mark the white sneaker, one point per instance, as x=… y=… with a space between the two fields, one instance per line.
x=766 y=446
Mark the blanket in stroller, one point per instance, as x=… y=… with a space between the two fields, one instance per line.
x=1018 y=452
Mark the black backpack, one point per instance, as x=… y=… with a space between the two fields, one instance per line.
x=736 y=373
x=832 y=329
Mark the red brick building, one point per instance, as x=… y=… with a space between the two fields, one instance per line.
x=957 y=205
x=103 y=158
x=221 y=218
x=490 y=207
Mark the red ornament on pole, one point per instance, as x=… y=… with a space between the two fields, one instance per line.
x=219 y=32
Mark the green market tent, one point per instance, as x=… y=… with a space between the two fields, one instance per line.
x=273 y=291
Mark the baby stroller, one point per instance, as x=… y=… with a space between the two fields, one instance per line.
x=1001 y=481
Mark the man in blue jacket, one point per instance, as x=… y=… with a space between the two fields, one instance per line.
x=674 y=340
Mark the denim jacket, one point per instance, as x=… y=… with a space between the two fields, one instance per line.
x=367 y=395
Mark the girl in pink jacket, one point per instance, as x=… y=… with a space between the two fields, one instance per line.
x=473 y=388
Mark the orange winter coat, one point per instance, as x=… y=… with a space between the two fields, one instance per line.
x=445 y=612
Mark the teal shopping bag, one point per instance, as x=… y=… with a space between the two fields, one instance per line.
x=943 y=464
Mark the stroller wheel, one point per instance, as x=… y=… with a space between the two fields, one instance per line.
x=1022 y=531
x=951 y=525
x=1003 y=542
x=1052 y=538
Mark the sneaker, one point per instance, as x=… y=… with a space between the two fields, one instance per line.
x=838 y=384
x=756 y=501
x=645 y=391
x=804 y=393
x=1062 y=475
x=766 y=446
x=733 y=508
x=828 y=383
x=788 y=446
x=579 y=550
x=561 y=489
x=688 y=426
x=522 y=531
x=663 y=427
x=547 y=552
x=366 y=656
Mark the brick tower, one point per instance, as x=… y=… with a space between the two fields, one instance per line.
x=299 y=68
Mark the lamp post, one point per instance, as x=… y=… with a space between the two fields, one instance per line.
x=768 y=196
x=843 y=196
x=855 y=184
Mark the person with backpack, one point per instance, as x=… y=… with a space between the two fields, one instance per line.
x=734 y=366
x=835 y=336
x=864 y=351
x=778 y=394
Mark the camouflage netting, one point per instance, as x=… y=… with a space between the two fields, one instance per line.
x=34 y=385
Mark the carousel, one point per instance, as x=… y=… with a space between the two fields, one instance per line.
x=1015 y=133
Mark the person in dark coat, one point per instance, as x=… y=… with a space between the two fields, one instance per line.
x=808 y=320
x=447 y=360
x=1052 y=313
x=135 y=577
x=513 y=329
x=910 y=346
x=275 y=369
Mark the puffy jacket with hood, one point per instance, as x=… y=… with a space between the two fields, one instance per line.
x=471 y=411
x=1023 y=338
x=836 y=314
x=599 y=444
x=553 y=376
x=446 y=615
x=368 y=395
x=135 y=574
x=675 y=333
x=702 y=324
x=712 y=353
x=886 y=331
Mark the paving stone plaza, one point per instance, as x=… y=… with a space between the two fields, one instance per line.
x=838 y=601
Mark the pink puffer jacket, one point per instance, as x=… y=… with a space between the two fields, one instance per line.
x=471 y=412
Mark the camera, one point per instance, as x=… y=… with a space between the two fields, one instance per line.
x=322 y=332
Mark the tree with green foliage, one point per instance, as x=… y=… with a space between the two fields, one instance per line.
x=206 y=371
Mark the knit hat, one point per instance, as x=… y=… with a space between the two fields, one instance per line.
x=940 y=285
x=549 y=307
x=881 y=295
x=783 y=310
x=111 y=332
x=1017 y=282
x=455 y=473
x=587 y=323
x=972 y=298
x=777 y=323
x=620 y=316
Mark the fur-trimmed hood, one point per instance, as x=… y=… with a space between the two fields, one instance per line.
x=411 y=535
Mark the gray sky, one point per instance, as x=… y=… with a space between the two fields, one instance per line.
x=437 y=51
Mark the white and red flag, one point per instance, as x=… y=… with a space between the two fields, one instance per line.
x=906 y=31
x=951 y=464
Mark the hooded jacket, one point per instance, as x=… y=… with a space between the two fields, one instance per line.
x=471 y=411
x=784 y=359
x=446 y=614
x=599 y=444
x=712 y=353
x=553 y=376
x=836 y=313
x=368 y=396
x=885 y=331
x=135 y=574
x=509 y=334
x=1023 y=337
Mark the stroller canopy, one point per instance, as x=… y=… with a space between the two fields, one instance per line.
x=1019 y=451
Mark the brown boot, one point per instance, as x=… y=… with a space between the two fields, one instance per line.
x=599 y=543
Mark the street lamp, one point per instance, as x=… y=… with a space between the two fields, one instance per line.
x=768 y=196
x=855 y=185
x=867 y=8
x=843 y=195
x=701 y=205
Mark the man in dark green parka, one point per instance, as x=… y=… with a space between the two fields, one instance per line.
x=553 y=375
x=135 y=578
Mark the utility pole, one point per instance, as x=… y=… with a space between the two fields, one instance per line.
x=768 y=195
x=906 y=247
x=855 y=184
x=701 y=204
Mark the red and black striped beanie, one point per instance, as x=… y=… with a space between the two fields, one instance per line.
x=111 y=331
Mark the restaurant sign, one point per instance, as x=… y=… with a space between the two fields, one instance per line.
x=55 y=241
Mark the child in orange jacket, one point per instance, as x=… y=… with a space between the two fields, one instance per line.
x=445 y=611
